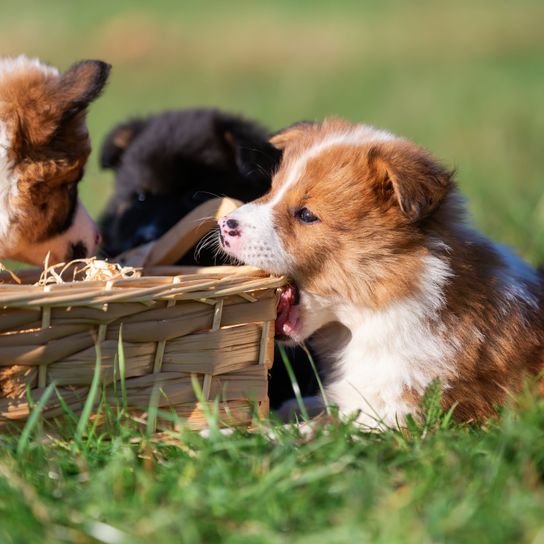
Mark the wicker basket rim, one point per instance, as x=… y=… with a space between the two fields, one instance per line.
x=214 y=282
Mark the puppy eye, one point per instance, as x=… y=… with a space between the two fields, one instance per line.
x=140 y=196
x=304 y=215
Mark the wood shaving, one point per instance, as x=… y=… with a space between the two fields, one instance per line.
x=14 y=276
x=91 y=269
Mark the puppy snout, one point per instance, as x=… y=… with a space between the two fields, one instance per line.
x=229 y=232
x=229 y=227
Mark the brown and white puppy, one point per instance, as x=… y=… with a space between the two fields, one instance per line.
x=44 y=145
x=372 y=230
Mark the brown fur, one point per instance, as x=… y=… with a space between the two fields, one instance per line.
x=382 y=206
x=363 y=240
x=500 y=345
x=49 y=145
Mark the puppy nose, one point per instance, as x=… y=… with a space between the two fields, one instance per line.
x=232 y=224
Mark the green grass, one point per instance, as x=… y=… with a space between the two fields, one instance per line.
x=466 y=79
x=436 y=482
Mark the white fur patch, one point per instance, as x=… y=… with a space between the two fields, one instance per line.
x=260 y=244
x=316 y=311
x=22 y=62
x=8 y=183
x=393 y=351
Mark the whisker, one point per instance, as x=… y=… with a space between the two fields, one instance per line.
x=207 y=193
x=207 y=241
x=204 y=219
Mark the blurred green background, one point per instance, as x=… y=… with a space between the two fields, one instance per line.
x=464 y=78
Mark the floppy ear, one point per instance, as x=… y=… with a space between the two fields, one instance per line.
x=118 y=141
x=282 y=138
x=251 y=155
x=80 y=85
x=407 y=176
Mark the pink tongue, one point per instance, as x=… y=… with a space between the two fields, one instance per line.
x=287 y=319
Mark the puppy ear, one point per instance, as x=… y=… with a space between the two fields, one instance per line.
x=44 y=105
x=407 y=176
x=285 y=136
x=118 y=140
x=246 y=144
x=253 y=155
x=80 y=85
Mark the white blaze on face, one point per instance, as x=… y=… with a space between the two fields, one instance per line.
x=254 y=240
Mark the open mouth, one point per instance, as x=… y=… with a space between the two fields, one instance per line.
x=288 y=318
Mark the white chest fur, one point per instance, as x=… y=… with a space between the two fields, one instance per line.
x=392 y=352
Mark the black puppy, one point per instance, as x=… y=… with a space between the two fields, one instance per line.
x=167 y=164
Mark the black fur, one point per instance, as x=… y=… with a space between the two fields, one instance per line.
x=167 y=164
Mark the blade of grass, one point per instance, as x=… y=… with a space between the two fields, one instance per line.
x=319 y=382
x=448 y=417
x=122 y=367
x=70 y=416
x=294 y=383
x=22 y=444
x=212 y=417
x=98 y=412
x=91 y=396
x=152 y=410
x=109 y=419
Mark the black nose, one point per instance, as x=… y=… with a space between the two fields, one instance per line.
x=232 y=224
x=77 y=250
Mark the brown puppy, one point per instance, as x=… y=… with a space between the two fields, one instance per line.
x=372 y=231
x=44 y=145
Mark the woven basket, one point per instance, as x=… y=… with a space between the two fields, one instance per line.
x=177 y=325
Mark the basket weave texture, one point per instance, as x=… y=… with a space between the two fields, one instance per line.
x=216 y=327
